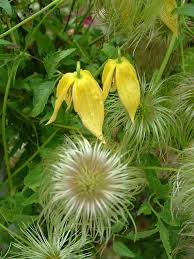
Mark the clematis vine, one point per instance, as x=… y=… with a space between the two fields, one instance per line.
x=81 y=89
x=120 y=75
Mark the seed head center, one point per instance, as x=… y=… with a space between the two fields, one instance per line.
x=89 y=182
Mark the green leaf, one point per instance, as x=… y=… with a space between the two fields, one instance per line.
x=41 y=93
x=122 y=249
x=34 y=198
x=5 y=42
x=109 y=50
x=166 y=214
x=34 y=177
x=6 y=6
x=141 y=235
x=161 y=191
x=186 y=9
x=52 y=61
x=144 y=209
x=164 y=236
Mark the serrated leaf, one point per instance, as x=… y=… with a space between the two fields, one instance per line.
x=164 y=236
x=186 y=9
x=6 y=6
x=34 y=177
x=41 y=94
x=121 y=249
x=52 y=61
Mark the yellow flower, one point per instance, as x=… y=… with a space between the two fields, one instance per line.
x=87 y=97
x=169 y=19
x=120 y=74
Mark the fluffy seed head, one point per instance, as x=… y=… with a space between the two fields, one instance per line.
x=182 y=199
x=89 y=188
x=183 y=186
x=56 y=244
x=153 y=123
x=183 y=101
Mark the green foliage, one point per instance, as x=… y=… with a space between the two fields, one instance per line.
x=121 y=249
x=33 y=57
x=187 y=10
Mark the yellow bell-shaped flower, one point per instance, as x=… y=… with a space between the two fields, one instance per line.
x=169 y=19
x=87 y=97
x=120 y=75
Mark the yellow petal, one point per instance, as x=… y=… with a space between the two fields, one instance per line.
x=63 y=93
x=128 y=87
x=88 y=103
x=170 y=20
x=107 y=76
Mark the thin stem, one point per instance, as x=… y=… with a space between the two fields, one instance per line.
x=119 y=54
x=166 y=58
x=96 y=40
x=160 y=168
x=35 y=154
x=5 y=147
x=37 y=27
x=70 y=13
x=29 y=18
x=82 y=51
x=78 y=69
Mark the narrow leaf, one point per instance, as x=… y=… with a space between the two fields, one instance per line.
x=164 y=236
x=122 y=249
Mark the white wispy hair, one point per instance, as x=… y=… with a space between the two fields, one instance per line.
x=55 y=244
x=183 y=101
x=133 y=19
x=182 y=199
x=154 y=121
x=89 y=188
x=183 y=186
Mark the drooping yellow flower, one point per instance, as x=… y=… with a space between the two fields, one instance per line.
x=121 y=75
x=87 y=97
x=167 y=17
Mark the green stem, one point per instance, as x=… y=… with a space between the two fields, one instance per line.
x=6 y=156
x=119 y=55
x=96 y=40
x=29 y=19
x=35 y=154
x=38 y=26
x=166 y=59
x=160 y=168
x=78 y=69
